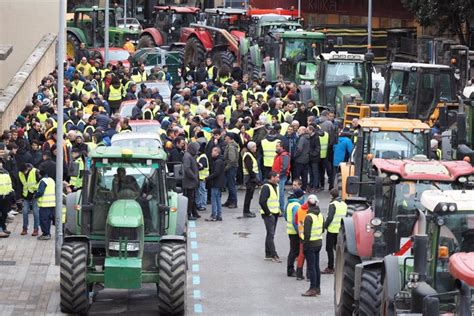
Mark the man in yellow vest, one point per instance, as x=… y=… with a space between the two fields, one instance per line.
x=250 y=171
x=29 y=176
x=269 y=151
x=336 y=212
x=76 y=181
x=270 y=210
x=312 y=239
x=7 y=197
x=294 y=202
x=325 y=163
x=203 y=163
x=46 y=202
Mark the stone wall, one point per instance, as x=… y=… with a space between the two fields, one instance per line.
x=25 y=82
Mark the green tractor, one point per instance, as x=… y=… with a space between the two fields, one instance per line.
x=126 y=228
x=293 y=56
x=87 y=26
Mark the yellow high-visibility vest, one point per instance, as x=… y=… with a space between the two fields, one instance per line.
x=324 y=141
x=115 y=94
x=284 y=128
x=136 y=78
x=77 y=87
x=77 y=181
x=269 y=152
x=204 y=172
x=254 y=164
x=30 y=184
x=290 y=215
x=89 y=129
x=42 y=117
x=147 y=114
x=48 y=199
x=5 y=184
x=273 y=202
x=210 y=72
x=339 y=214
x=316 y=228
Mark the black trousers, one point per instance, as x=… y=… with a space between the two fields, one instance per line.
x=191 y=195
x=294 y=252
x=250 y=189
x=5 y=206
x=331 y=240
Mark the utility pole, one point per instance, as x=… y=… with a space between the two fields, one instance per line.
x=106 y=32
x=299 y=8
x=60 y=132
x=125 y=13
x=369 y=28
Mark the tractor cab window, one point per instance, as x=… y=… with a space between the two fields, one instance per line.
x=445 y=87
x=113 y=182
x=402 y=87
x=426 y=97
x=395 y=145
x=295 y=49
x=349 y=74
x=162 y=20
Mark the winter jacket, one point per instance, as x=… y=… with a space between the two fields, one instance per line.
x=190 y=167
x=302 y=117
x=231 y=155
x=302 y=150
x=315 y=146
x=217 y=177
x=137 y=109
x=342 y=150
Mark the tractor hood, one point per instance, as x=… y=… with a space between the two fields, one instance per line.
x=461 y=266
x=125 y=213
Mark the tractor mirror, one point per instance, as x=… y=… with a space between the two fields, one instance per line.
x=178 y=172
x=163 y=209
x=302 y=69
x=352 y=185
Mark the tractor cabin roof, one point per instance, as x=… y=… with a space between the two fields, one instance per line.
x=131 y=153
x=393 y=124
x=226 y=11
x=303 y=34
x=414 y=66
x=462 y=198
x=90 y=9
x=424 y=169
x=178 y=9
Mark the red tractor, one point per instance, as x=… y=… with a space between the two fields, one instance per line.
x=168 y=23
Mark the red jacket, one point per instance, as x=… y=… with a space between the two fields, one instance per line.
x=278 y=164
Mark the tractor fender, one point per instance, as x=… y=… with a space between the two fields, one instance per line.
x=70 y=225
x=374 y=264
x=80 y=238
x=78 y=33
x=174 y=238
x=237 y=34
x=392 y=278
x=155 y=34
x=256 y=55
x=219 y=48
x=348 y=225
x=202 y=35
x=244 y=46
x=182 y=216
x=363 y=239
x=270 y=70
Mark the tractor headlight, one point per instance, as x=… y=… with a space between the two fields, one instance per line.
x=452 y=208
x=375 y=222
x=378 y=234
x=444 y=208
x=131 y=246
x=394 y=177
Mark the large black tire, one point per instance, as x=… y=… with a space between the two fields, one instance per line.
x=146 y=41
x=194 y=52
x=252 y=69
x=172 y=272
x=72 y=45
x=74 y=289
x=339 y=182
x=223 y=58
x=370 y=299
x=344 y=278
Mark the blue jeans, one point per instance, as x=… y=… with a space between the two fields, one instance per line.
x=27 y=204
x=312 y=258
x=231 y=185
x=201 y=196
x=46 y=215
x=281 y=188
x=216 y=195
x=314 y=175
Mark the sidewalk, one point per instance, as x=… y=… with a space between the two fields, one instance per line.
x=28 y=277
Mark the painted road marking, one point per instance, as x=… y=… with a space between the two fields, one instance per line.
x=192 y=224
x=195 y=267
x=195 y=256
x=198 y=308
x=194 y=244
x=197 y=294
x=192 y=235
x=196 y=280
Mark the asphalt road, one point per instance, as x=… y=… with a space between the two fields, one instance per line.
x=228 y=276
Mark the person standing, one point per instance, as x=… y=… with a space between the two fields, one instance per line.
x=270 y=210
x=301 y=156
x=312 y=239
x=336 y=212
x=294 y=202
x=7 y=198
x=191 y=179
x=231 y=160
x=46 y=203
x=216 y=182
x=203 y=164
x=250 y=171
x=29 y=176
x=268 y=149
x=281 y=165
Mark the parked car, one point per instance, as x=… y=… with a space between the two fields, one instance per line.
x=142 y=126
x=137 y=139
x=116 y=54
x=126 y=107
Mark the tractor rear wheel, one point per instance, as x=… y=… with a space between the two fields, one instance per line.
x=223 y=58
x=344 y=277
x=74 y=289
x=72 y=45
x=194 y=52
x=172 y=272
x=146 y=41
x=252 y=69
x=370 y=299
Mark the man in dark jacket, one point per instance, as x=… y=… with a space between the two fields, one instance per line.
x=137 y=109
x=314 y=156
x=250 y=170
x=270 y=210
x=301 y=157
x=216 y=182
x=231 y=159
x=302 y=115
x=191 y=178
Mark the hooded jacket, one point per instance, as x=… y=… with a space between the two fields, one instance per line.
x=301 y=154
x=137 y=109
x=190 y=167
x=231 y=155
x=217 y=177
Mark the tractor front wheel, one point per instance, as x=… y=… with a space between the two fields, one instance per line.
x=370 y=299
x=194 y=52
x=146 y=41
x=74 y=290
x=223 y=58
x=172 y=273
x=72 y=45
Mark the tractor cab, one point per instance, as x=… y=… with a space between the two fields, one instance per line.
x=170 y=20
x=227 y=18
x=341 y=77
x=92 y=22
x=264 y=29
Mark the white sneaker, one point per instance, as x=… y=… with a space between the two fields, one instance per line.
x=13 y=213
x=11 y=216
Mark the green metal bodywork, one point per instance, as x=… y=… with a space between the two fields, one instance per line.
x=137 y=153
x=125 y=213
x=123 y=273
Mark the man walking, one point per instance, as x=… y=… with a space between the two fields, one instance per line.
x=336 y=212
x=7 y=198
x=250 y=170
x=191 y=179
x=281 y=165
x=294 y=202
x=46 y=202
x=231 y=160
x=312 y=239
x=270 y=210
x=29 y=176
x=216 y=182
